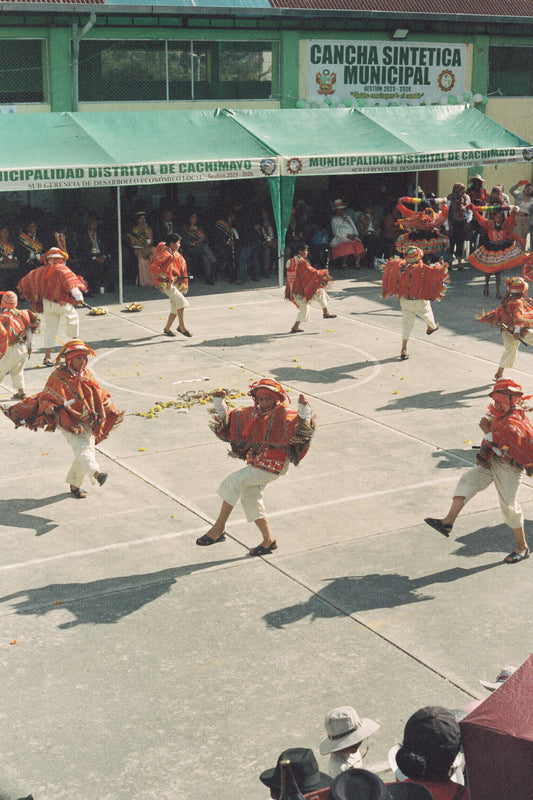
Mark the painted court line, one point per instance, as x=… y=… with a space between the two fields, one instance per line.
x=192 y=531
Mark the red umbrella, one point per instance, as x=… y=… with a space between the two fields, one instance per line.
x=498 y=741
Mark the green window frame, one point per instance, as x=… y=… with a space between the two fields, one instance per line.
x=23 y=71
x=145 y=70
x=511 y=71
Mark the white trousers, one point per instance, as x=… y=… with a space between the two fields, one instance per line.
x=84 y=457
x=248 y=483
x=506 y=479
x=320 y=298
x=510 y=347
x=13 y=363
x=411 y=309
x=53 y=314
x=177 y=300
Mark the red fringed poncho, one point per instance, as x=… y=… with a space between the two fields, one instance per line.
x=92 y=408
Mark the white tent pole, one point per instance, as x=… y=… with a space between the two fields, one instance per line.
x=119 y=229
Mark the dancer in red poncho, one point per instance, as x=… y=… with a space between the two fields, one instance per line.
x=168 y=269
x=514 y=317
x=72 y=401
x=506 y=453
x=416 y=284
x=305 y=285
x=56 y=290
x=16 y=329
x=268 y=436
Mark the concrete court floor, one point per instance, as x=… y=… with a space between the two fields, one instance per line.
x=135 y=664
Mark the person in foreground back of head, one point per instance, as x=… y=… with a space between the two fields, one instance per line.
x=72 y=401
x=305 y=770
x=360 y=784
x=506 y=452
x=268 y=436
x=431 y=743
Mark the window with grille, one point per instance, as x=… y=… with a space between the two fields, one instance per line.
x=175 y=70
x=511 y=71
x=23 y=71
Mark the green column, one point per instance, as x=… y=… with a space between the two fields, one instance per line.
x=289 y=68
x=60 y=69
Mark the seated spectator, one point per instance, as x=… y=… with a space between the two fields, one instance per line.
x=345 y=243
x=369 y=231
x=94 y=260
x=390 y=231
x=141 y=239
x=9 y=266
x=304 y=768
x=226 y=244
x=360 y=784
x=346 y=733
x=269 y=242
x=28 y=248
x=164 y=226
x=195 y=247
x=58 y=236
x=431 y=743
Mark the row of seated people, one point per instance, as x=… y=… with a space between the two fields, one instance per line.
x=237 y=242
x=22 y=248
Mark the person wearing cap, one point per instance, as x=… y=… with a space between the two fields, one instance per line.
x=55 y=290
x=506 y=452
x=305 y=770
x=346 y=731
x=431 y=744
x=346 y=242
x=168 y=269
x=360 y=784
x=73 y=401
x=268 y=436
x=514 y=317
x=16 y=329
x=305 y=285
x=416 y=284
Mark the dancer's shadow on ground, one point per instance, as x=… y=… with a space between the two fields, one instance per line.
x=328 y=375
x=436 y=399
x=250 y=339
x=13 y=512
x=455 y=458
x=102 y=602
x=353 y=594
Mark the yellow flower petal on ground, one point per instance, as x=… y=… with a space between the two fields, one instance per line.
x=142 y=449
x=467 y=441
x=396 y=391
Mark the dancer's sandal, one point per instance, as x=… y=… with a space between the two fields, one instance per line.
x=438 y=525
x=296 y=330
x=205 y=540
x=169 y=333
x=403 y=356
x=429 y=331
x=47 y=362
x=260 y=550
x=514 y=558
x=329 y=316
x=77 y=492
x=184 y=332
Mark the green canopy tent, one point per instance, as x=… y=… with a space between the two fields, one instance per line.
x=335 y=141
x=98 y=149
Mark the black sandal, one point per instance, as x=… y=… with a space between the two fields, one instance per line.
x=437 y=525
x=169 y=333
x=205 y=540
x=185 y=332
x=514 y=557
x=77 y=492
x=263 y=551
